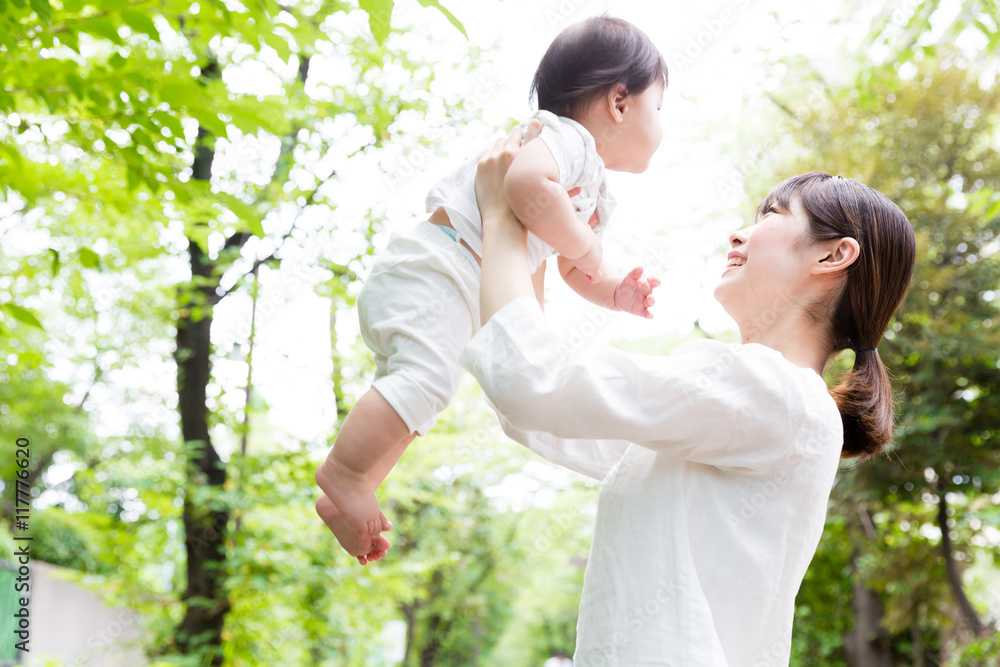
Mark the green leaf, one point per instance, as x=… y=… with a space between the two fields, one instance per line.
x=43 y=10
x=451 y=17
x=22 y=315
x=245 y=212
x=994 y=210
x=89 y=259
x=169 y=121
x=140 y=22
x=209 y=119
x=70 y=39
x=255 y=226
x=177 y=95
x=379 y=14
x=102 y=27
x=133 y=179
x=75 y=84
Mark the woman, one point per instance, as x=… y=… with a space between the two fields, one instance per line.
x=717 y=460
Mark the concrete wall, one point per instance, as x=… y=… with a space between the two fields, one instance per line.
x=71 y=624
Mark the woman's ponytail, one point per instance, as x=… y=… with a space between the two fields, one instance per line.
x=864 y=398
x=875 y=286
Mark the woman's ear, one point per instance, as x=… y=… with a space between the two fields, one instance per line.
x=838 y=254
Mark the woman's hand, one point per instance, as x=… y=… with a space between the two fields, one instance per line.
x=491 y=171
x=505 y=275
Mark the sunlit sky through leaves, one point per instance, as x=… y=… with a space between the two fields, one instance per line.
x=673 y=219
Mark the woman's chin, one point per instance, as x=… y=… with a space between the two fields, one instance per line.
x=722 y=295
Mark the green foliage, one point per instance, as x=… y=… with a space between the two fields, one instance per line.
x=102 y=111
x=820 y=621
x=921 y=127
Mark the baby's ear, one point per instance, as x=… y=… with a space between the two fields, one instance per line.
x=617 y=101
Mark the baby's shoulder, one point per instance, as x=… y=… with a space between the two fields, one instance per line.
x=573 y=148
x=563 y=133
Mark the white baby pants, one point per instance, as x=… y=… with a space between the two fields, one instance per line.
x=418 y=309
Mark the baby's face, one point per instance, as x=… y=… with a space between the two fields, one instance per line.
x=641 y=129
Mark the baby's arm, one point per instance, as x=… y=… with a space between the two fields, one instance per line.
x=631 y=294
x=541 y=204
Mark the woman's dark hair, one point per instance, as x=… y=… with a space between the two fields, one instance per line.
x=876 y=285
x=586 y=59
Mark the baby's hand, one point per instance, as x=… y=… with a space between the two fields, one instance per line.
x=634 y=293
x=590 y=263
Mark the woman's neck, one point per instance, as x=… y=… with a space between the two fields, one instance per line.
x=798 y=339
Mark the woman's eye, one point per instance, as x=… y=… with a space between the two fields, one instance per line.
x=770 y=209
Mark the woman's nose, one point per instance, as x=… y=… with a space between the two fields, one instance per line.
x=739 y=238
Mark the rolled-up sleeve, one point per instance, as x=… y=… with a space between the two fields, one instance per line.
x=700 y=402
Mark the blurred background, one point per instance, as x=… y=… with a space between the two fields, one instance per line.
x=192 y=193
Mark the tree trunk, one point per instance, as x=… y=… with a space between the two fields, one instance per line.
x=918 y=645
x=410 y=614
x=968 y=612
x=317 y=635
x=477 y=631
x=204 y=527
x=340 y=405
x=435 y=631
x=867 y=645
x=429 y=651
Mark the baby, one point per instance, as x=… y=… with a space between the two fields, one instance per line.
x=599 y=86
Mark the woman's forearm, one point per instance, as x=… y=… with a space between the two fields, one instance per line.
x=505 y=275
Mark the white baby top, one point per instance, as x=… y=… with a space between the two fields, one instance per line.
x=717 y=461
x=575 y=153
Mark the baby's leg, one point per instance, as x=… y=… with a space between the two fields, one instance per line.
x=417 y=311
x=371 y=439
x=341 y=529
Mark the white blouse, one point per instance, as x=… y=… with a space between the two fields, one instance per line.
x=717 y=463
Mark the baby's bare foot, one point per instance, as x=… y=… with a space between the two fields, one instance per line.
x=354 y=498
x=365 y=552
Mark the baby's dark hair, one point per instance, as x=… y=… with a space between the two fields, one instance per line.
x=586 y=59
